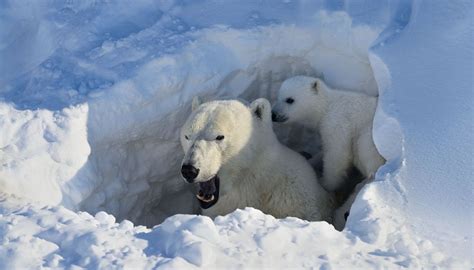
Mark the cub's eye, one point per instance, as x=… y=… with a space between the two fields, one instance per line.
x=289 y=100
x=220 y=137
x=186 y=137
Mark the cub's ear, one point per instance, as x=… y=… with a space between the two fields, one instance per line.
x=195 y=103
x=261 y=109
x=315 y=86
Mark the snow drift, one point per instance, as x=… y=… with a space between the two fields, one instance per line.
x=92 y=96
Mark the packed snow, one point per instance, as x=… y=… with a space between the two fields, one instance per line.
x=93 y=94
x=54 y=236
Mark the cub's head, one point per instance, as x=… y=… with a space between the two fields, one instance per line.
x=297 y=98
x=215 y=135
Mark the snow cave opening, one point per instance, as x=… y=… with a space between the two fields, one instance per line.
x=134 y=136
x=140 y=171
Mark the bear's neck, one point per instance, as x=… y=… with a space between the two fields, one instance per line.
x=255 y=154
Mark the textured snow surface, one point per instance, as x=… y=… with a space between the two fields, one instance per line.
x=56 y=237
x=92 y=95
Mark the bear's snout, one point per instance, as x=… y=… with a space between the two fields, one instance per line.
x=189 y=172
x=278 y=117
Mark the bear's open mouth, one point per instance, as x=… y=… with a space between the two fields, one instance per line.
x=208 y=192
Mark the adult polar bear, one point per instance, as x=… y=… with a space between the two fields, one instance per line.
x=234 y=155
x=344 y=120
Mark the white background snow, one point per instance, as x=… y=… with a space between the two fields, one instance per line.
x=92 y=95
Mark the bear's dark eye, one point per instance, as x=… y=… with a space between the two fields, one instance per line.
x=186 y=137
x=289 y=100
x=220 y=137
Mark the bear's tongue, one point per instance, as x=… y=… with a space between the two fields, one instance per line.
x=208 y=193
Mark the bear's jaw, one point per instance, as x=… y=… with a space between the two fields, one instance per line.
x=208 y=193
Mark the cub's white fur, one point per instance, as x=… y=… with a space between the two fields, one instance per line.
x=344 y=120
x=254 y=168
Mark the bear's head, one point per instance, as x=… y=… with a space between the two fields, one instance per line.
x=299 y=98
x=219 y=135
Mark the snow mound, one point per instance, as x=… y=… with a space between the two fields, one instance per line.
x=56 y=237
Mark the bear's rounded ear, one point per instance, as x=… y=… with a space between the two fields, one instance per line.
x=315 y=86
x=195 y=103
x=261 y=109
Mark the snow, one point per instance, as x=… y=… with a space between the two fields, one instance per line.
x=57 y=237
x=433 y=105
x=92 y=95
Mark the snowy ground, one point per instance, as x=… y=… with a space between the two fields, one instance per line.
x=92 y=96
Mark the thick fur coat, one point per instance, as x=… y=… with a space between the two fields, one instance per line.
x=237 y=144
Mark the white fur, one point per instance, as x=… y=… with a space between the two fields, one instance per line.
x=344 y=120
x=254 y=168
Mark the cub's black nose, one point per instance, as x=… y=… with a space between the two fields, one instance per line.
x=189 y=172
x=274 y=116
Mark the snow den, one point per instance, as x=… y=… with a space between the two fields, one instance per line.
x=116 y=148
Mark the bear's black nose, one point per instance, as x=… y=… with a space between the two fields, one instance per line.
x=189 y=172
x=274 y=116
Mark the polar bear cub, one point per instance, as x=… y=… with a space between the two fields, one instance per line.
x=232 y=153
x=344 y=120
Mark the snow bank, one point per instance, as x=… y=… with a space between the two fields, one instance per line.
x=432 y=102
x=41 y=150
x=58 y=238
x=92 y=96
